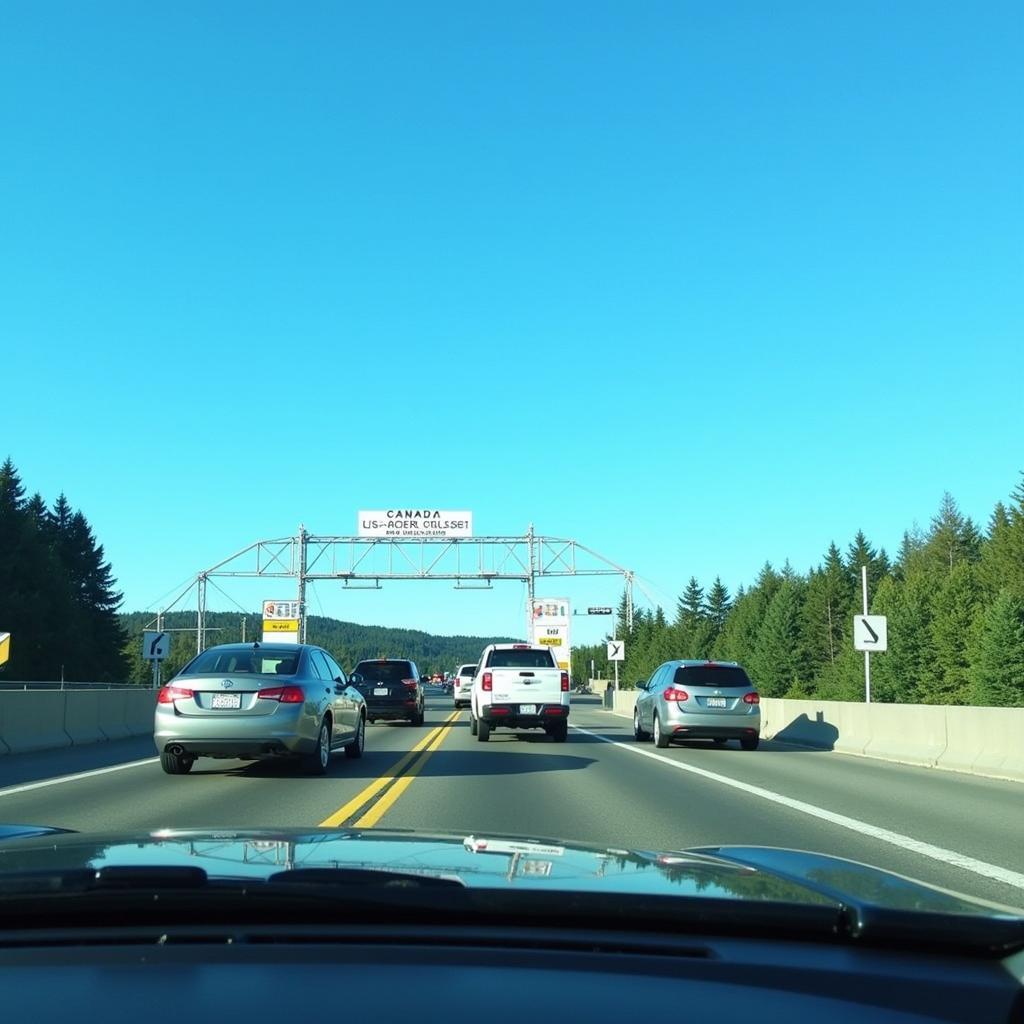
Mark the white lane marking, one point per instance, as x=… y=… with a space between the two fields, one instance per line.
x=13 y=790
x=959 y=860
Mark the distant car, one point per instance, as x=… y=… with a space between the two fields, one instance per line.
x=392 y=689
x=254 y=701
x=462 y=685
x=690 y=700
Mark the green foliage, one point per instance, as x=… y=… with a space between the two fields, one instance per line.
x=57 y=593
x=953 y=596
x=347 y=641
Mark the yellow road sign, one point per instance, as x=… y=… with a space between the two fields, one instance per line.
x=280 y=625
x=5 y=647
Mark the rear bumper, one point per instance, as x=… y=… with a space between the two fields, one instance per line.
x=391 y=709
x=714 y=726
x=289 y=730
x=510 y=715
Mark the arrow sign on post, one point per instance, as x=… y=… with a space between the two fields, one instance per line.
x=155 y=646
x=870 y=633
x=616 y=650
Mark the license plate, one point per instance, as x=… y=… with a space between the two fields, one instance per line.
x=527 y=709
x=226 y=700
x=716 y=702
x=380 y=691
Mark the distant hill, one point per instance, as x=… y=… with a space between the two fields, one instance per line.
x=349 y=642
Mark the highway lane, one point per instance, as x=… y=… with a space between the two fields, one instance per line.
x=587 y=789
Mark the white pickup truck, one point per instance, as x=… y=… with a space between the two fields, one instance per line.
x=519 y=686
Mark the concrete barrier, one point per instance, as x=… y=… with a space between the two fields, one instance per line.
x=4 y=749
x=985 y=741
x=113 y=714
x=909 y=733
x=82 y=716
x=33 y=720
x=139 y=709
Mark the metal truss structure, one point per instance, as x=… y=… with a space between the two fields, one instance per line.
x=364 y=562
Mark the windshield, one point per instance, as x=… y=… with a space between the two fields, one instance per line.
x=571 y=608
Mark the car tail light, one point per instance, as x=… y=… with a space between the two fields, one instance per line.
x=487 y=683
x=169 y=694
x=284 y=694
x=677 y=695
x=520 y=647
x=565 y=682
x=751 y=698
x=554 y=711
x=499 y=711
x=410 y=683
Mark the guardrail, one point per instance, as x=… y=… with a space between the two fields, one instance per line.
x=979 y=741
x=47 y=719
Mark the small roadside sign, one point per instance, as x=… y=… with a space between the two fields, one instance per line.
x=870 y=633
x=603 y=610
x=155 y=646
x=616 y=650
x=5 y=647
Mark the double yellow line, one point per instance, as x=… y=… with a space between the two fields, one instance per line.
x=394 y=778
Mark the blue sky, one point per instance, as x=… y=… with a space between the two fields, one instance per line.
x=698 y=284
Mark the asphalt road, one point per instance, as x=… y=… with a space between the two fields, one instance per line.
x=959 y=832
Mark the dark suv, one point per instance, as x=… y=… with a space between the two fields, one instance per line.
x=391 y=688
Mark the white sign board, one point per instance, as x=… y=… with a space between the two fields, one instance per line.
x=281 y=622
x=155 y=646
x=870 y=633
x=616 y=650
x=415 y=523
x=549 y=627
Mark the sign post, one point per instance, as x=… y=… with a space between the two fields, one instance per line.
x=616 y=653
x=870 y=633
x=156 y=645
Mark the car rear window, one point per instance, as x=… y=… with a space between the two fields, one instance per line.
x=281 y=661
x=468 y=670
x=385 y=671
x=721 y=677
x=520 y=659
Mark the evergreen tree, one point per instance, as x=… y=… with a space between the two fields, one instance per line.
x=780 y=661
x=827 y=610
x=719 y=604
x=956 y=607
x=997 y=661
x=952 y=538
x=860 y=553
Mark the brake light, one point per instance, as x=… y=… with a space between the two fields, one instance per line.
x=284 y=694
x=169 y=694
x=520 y=647
x=565 y=682
x=677 y=695
x=410 y=683
x=499 y=711
x=751 y=698
x=487 y=682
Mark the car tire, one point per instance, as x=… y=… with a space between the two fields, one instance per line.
x=355 y=748
x=472 y=724
x=638 y=734
x=316 y=763
x=660 y=738
x=750 y=742
x=417 y=718
x=560 y=732
x=483 y=730
x=176 y=764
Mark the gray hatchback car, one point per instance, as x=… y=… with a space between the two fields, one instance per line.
x=686 y=700
x=253 y=701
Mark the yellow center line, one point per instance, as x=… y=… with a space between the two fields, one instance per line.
x=384 y=804
x=345 y=812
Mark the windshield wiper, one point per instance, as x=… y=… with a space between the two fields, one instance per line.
x=363 y=876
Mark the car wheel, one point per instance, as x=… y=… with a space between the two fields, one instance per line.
x=176 y=764
x=660 y=738
x=417 y=718
x=750 y=742
x=483 y=730
x=638 y=734
x=472 y=724
x=560 y=732
x=355 y=748
x=317 y=762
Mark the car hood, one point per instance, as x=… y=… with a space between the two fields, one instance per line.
x=747 y=873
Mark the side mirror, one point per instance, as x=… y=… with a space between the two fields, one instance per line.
x=641 y=684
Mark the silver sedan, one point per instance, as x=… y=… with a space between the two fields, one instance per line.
x=686 y=700
x=252 y=701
